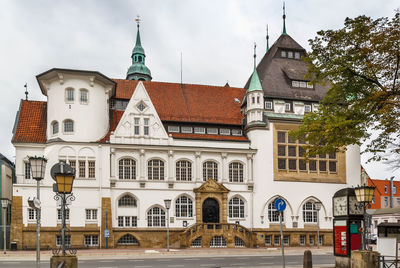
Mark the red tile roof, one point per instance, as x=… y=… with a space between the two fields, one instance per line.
x=173 y=102
x=31 y=125
x=188 y=102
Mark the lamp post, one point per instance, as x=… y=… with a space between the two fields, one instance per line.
x=167 y=206
x=4 y=205
x=318 y=206
x=38 y=168
x=64 y=176
x=364 y=195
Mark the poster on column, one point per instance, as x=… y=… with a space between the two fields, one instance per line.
x=340 y=236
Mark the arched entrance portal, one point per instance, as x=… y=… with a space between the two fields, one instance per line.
x=210 y=211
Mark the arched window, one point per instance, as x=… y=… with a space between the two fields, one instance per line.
x=128 y=240
x=183 y=171
x=309 y=212
x=210 y=170
x=236 y=172
x=273 y=214
x=155 y=169
x=156 y=217
x=84 y=96
x=127 y=169
x=68 y=126
x=127 y=201
x=184 y=207
x=236 y=208
x=54 y=127
x=69 y=94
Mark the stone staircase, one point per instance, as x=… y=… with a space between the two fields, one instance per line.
x=228 y=235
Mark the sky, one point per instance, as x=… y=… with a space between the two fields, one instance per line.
x=215 y=38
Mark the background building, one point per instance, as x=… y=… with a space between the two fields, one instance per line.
x=221 y=154
x=7 y=178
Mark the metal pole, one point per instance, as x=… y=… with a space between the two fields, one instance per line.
x=4 y=228
x=38 y=227
x=283 y=251
x=63 y=223
x=168 y=229
x=317 y=228
x=363 y=240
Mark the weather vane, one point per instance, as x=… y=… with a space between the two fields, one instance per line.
x=26 y=91
x=138 y=20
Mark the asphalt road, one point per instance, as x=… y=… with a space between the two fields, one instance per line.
x=190 y=262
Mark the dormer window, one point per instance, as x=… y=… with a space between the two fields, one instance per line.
x=297 y=55
x=283 y=54
x=288 y=107
x=290 y=54
x=307 y=108
x=268 y=105
x=301 y=84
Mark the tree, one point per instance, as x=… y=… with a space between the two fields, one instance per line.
x=360 y=63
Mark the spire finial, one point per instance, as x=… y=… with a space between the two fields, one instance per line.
x=255 y=46
x=267 y=41
x=138 y=20
x=284 y=19
x=26 y=91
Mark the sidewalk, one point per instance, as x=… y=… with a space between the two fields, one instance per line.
x=88 y=254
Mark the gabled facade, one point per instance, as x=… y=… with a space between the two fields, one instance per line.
x=221 y=154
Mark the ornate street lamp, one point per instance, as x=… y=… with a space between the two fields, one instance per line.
x=38 y=168
x=64 y=176
x=4 y=204
x=167 y=206
x=318 y=206
x=364 y=195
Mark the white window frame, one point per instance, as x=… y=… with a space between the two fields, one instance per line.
x=91 y=214
x=173 y=129
x=68 y=95
x=212 y=130
x=268 y=105
x=210 y=172
x=288 y=107
x=225 y=131
x=237 y=132
x=184 y=207
x=236 y=171
x=307 y=108
x=65 y=127
x=59 y=216
x=236 y=208
x=183 y=169
x=155 y=170
x=82 y=92
x=92 y=239
x=127 y=169
x=32 y=215
x=156 y=217
x=186 y=129
x=310 y=214
x=55 y=128
x=199 y=130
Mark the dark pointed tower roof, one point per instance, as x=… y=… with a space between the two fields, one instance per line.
x=138 y=70
x=276 y=72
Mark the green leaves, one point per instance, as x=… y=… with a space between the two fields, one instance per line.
x=361 y=63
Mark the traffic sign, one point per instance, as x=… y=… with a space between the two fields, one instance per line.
x=280 y=204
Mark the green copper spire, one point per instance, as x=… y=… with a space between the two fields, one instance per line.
x=284 y=20
x=138 y=69
x=267 y=41
x=255 y=83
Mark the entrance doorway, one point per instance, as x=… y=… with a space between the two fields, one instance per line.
x=210 y=211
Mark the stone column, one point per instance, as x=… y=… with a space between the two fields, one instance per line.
x=106 y=206
x=249 y=168
x=142 y=165
x=198 y=166
x=170 y=165
x=224 y=168
x=16 y=222
x=112 y=164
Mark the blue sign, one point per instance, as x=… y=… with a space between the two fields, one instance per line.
x=280 y=204
x=106 y=233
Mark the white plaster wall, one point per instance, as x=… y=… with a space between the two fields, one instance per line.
x=83 y=115
x=296 y=193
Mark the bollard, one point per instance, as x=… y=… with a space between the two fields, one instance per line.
x=307 y=261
